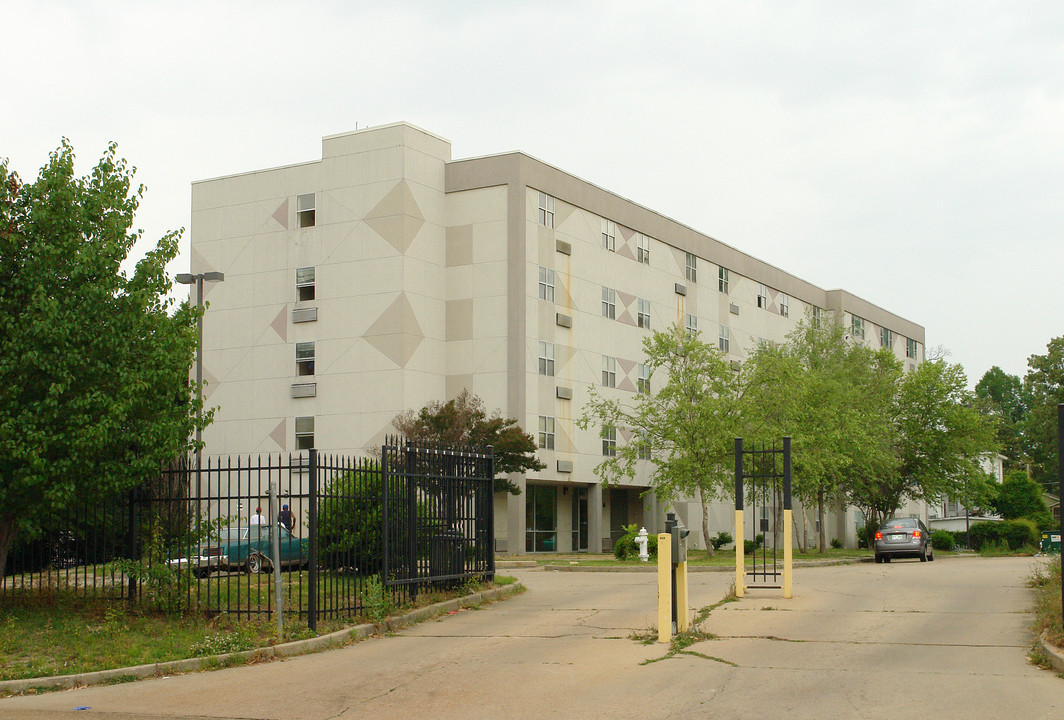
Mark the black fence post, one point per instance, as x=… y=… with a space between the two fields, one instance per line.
x=1060 y=489
x=131 y=588
x=410 y=488
x=488 y=490
x=787 y=473
x=738 y=476
x=312 y=521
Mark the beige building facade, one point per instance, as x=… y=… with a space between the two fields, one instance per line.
x=386 y=275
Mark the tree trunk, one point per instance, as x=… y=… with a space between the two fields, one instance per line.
x=8 y=531
x=820 y=514
x=705 y=522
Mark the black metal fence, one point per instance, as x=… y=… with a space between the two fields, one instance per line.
x=356 y=534
x=763 y=482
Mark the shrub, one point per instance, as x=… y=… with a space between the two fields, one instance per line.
x=836 y=543
x=1013 y=534
x=942 y=540
x=750 y=546
x=721 y=539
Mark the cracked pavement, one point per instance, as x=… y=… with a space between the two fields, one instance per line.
x=947 y=639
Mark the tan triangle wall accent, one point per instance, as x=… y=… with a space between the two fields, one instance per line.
x=397 y=217
x=280 y=323
x=281 y=214
x=280 y=434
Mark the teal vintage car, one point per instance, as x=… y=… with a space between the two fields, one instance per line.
x=247 y=548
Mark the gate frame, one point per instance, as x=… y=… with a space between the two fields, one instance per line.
x=740 y=550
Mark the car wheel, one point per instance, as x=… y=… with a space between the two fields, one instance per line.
x=923 y=554
x=202 y=572
x=256 y=564
x=879 y=558
x=886 y=559
x=931 y=555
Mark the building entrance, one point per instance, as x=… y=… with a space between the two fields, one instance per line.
x=580 y=519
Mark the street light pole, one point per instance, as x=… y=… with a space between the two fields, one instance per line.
x=197 y=279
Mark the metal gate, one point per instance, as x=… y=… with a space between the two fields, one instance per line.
x=763 y=483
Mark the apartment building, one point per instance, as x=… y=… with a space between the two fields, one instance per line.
x=386 y=275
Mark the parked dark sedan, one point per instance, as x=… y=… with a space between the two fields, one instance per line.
x=903 y=537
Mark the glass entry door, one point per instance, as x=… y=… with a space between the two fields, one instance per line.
x=541 y=518
x=579 y=519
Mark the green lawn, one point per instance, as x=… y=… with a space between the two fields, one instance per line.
x=56 y=633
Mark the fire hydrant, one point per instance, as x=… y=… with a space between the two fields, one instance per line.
x=641 y=541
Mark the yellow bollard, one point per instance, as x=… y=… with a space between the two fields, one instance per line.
x=740 y=556
x=664 y=587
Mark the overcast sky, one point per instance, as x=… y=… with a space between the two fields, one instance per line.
x=909 y=152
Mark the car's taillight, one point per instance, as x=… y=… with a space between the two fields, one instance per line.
x=879 y=535
x=916 y=533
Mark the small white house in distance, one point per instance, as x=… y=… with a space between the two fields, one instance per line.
x=952 y=515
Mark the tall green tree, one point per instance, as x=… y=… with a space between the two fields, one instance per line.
x=1044 y=382
x=686 y=425
x=1004 y=397
x=835 y=397
x=1021 y=497
x=941 y=439
x=463 y=421
x=94 y=368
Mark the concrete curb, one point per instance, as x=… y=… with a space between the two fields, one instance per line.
x=290 y=649
x=1053 y=656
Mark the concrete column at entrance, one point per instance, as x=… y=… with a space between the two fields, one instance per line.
x=651 y=514
x=515 y=517
x=594 y=518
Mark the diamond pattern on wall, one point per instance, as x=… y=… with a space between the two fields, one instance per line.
x=397 y=217
x=396 y=333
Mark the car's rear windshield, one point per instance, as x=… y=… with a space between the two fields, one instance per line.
x=900 y=522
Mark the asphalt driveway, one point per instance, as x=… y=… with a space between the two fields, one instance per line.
x=946 y=640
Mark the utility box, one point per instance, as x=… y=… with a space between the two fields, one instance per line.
x=679 y=534
x=1051 y=541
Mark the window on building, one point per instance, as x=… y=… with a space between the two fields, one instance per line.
x=609 y=235
x=643 y=381
x=643 y=314
x=541 y=518
x=722 y=280
x=609 y=303
x=910 y=348
x=546 y=432
x=609 y=371
x=305 y=210
x=724 y=339
x=690 y=323
x=546 y=284
x=762 y=296
x=642 y=248
x=886 y=338
x=546 y=358
x=643 y=449
x=304 y=433
x=546 y=210
x=305 y=358
x=857 y=325
x=305 y=283
x=692 y=268
x=609 y=441
x=785 y=305
x=818 y=316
